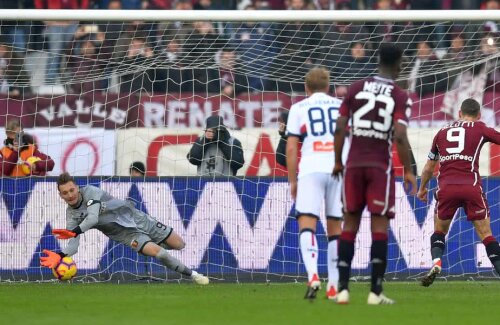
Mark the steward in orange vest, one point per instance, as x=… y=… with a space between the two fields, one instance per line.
x=13 y=157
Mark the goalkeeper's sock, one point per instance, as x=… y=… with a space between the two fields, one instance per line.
x=346 y=253
x=438 y=243
x=172 y=263
x=333 y=258
x=493 y=251
x=378 y=260
x=309 y=250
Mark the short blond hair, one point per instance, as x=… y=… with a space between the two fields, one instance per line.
x=317 y=79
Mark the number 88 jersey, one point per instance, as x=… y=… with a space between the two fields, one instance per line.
x=373 y=106
x=313 y=120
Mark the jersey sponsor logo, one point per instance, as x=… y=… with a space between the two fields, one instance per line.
x=456 y=157
x=321 y=146
x=90 y=202
x=370 y=134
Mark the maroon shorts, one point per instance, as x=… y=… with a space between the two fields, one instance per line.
x=369 y=186
x=471 y=198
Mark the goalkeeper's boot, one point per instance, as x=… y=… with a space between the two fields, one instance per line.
x=331 y=293
x=199 y=278
x=434 y=271
x=343 y=297
x=374 y=299
x=313 y=287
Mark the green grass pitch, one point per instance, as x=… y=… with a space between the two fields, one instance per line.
x=277 y=303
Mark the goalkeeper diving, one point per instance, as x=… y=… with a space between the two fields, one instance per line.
x=90 y=207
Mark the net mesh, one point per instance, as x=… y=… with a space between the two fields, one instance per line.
x=97 y=96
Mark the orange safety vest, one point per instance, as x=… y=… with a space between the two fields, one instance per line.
x=24 y=155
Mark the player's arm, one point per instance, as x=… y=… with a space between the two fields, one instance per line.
x=295 y=132
x=492 y=135
x=428 y=170
x=338 y=143
x=404 y=149
x=51 y=259
x=427 y=173
x=292 y=153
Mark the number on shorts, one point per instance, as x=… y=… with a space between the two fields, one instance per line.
x=161 y=226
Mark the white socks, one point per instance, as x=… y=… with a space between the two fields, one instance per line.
x=333 y=257
x=309 y=250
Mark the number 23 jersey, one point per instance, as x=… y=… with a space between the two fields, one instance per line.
x=457 y=146
x=374 y=105
x=313 y=120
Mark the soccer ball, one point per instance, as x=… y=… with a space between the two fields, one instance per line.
x=26 y=167
x=65 y=270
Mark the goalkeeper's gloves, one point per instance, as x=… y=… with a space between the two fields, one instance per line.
x=52 y=259
x=66 y=234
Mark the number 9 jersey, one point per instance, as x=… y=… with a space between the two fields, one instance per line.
x=313 y=120
x=374 y=105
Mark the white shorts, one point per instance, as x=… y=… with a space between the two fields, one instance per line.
x=316 y=188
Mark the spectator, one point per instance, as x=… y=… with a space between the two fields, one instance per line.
x=356 y=65
x=137 y=169
x=230 y=83
x=58 y=34
x=297 y=44
x=281 y=150
x=18 y=148
x=14 y=80
x=15 y=30
x=139 y=54
x=423 y=80
x=253 y=43
x=85 y=66
x=216 y=153
x=454 y=57
x=170 y=77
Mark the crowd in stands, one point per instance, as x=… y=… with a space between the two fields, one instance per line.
x=238 y=58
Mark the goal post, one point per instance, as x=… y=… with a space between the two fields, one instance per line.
x=100 y=89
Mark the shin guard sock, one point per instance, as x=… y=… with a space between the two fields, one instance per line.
x=309 y=251
x=378 y=260
x=172 y=263
x=333 y=257
x=437 y=244
x=346 y=253
x=493 y=251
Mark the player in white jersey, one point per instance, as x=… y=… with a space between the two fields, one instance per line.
x=312 y=121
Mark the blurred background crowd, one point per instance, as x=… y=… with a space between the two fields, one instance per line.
x=236 y=58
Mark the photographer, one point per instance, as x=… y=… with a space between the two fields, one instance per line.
x=216 y=153
x=19 y=147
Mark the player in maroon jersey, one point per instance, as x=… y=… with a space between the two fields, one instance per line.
x=457 y=147
x=379 y=112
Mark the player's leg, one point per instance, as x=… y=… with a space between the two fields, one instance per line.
x=447 y=203
x=173 y=241
x=162 y=255
x=310 y=193
x=380 y=202
x=479 y=213
x=164 y=237
x=333 y=207
x=353 y=195
x=483 y=230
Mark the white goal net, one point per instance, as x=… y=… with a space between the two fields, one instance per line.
x=99 y=90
